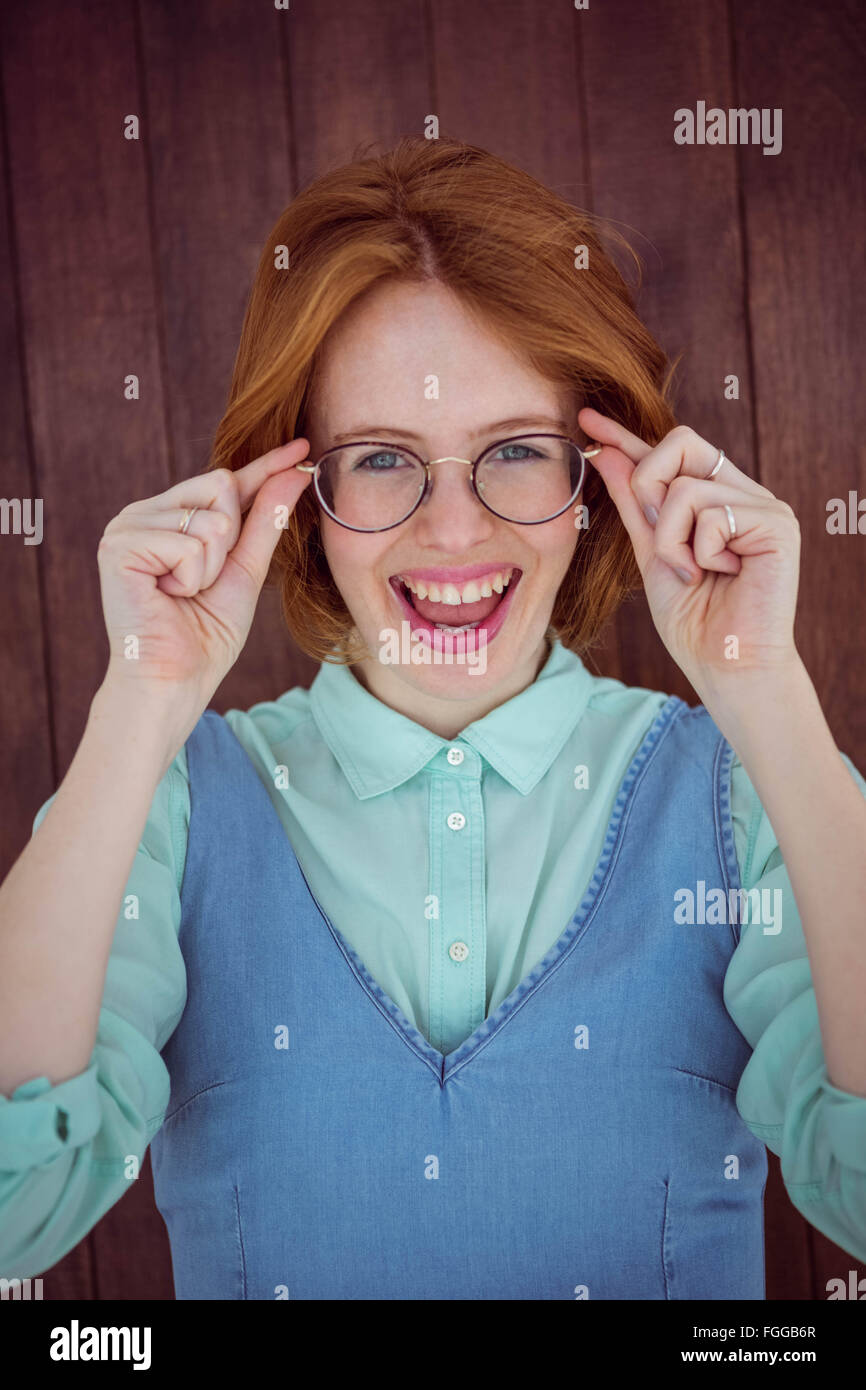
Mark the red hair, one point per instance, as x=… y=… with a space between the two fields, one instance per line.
x=506 y=244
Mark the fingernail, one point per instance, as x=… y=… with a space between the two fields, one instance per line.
x=651 y=515
x=685 y=575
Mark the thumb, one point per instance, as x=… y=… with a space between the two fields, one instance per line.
x=616 y=470
x=274 y=503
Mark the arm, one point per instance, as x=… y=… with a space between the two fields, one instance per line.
x=719 y=557
x=68 y=1151
x=59 y=902
x=818 y=813
x=785 y=1095
x=181 y=574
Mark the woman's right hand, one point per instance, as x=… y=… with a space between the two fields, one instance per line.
x=178 y=606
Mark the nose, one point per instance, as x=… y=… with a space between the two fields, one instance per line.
x=451 y=518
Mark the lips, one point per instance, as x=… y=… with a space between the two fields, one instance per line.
x=438 y=622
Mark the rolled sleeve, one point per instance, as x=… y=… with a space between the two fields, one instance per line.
x=41 y=1121
x=69 y=1151
x=785 y=1095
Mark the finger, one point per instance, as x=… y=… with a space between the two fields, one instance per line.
x=681 y=452
x=759 y=528
x=263 y=527
x=173 y=560
x=224 y=489
x=712 y=542
x=251 y=477
x=213 y=528
x=686 y=500
x=607 y=431
x=616 y=470
x=215 y=491
x=186 y=577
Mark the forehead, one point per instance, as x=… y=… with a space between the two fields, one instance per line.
x=417 y=355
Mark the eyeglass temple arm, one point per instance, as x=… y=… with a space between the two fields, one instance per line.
x=311 y=467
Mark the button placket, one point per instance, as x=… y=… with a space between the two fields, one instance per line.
x=457 y=976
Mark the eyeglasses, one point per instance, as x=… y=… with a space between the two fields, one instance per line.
x=371 y=485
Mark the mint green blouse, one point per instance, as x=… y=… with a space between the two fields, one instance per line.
x=451 y=866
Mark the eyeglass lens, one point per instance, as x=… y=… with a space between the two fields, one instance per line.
x=373 y=486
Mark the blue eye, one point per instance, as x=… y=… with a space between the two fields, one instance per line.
x=524 y=452
x=373 y=463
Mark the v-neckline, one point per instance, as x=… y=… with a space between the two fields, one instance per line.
x=445 y=1065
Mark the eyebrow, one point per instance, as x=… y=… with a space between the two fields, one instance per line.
x=517 y=423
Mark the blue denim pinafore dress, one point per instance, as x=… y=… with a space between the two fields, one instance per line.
x=584 y=1142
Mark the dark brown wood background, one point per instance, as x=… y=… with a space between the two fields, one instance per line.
x=137 y=257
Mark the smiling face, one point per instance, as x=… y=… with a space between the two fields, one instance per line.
x=372 y=383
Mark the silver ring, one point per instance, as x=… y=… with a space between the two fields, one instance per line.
x=717 y=465
x=186 y=519
x=732 y=525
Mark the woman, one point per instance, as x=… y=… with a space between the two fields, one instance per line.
x=435 y=980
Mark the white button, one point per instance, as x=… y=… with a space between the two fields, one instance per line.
x=458 y=950
x=455 y=756
x=456 y=820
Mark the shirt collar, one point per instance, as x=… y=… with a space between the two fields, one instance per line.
x=378 y=748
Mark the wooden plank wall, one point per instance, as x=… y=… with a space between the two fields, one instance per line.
x=137 y=256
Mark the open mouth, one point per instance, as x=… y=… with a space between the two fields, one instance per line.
x=441 y=612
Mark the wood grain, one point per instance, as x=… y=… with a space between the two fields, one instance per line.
x=136 y=257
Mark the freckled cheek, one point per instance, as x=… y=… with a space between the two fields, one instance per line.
x=554 y=552
x=371 y=589
x=355 y=571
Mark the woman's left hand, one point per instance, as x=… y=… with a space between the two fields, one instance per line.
x=736 y=612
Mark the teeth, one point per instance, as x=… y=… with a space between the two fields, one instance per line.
x=454 y=594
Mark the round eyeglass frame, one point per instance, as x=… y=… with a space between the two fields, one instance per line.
x=426 y=465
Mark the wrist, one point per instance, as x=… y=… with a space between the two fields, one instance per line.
x=740 y=689
x=766 y=707
x=151 y=720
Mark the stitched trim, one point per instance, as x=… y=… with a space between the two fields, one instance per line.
x=710 y=1080
x=240 y=1240
x=177 y=820
x=725 y=842
x=755 y=816
x=664 y=1250
x=673 y=709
